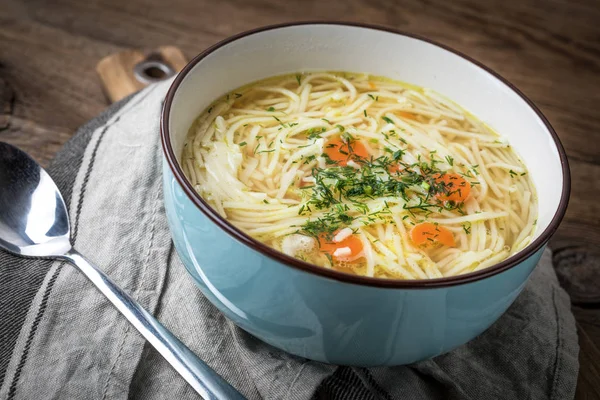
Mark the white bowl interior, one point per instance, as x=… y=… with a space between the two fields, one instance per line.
x=357 y=49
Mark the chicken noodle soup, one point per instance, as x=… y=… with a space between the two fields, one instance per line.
x=363 y=175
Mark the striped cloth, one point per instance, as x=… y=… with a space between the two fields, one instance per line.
x=60 y=339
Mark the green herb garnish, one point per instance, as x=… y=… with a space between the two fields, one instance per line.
x=467 y=228
x=342 y=193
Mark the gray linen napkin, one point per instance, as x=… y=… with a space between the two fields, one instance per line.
x=60 y=339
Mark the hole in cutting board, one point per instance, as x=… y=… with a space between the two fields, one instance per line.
x=155 y=72
x=149 y=71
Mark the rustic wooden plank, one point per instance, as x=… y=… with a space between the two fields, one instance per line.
x=581 y=226
x=52 y=77
x=550 y=50
x=588 y=329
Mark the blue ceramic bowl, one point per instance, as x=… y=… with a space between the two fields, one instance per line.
x=323 y=314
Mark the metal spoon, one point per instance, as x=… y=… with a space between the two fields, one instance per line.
x=34 y=223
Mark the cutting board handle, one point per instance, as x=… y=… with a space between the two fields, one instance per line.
x=128 y=71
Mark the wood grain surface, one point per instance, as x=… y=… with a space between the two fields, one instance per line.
x=549 y=49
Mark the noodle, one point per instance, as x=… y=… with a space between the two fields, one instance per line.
x=363 y=175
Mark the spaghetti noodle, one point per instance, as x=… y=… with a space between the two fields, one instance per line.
x=362 y=174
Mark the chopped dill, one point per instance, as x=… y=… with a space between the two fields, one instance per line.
x=344 y=191
x=315 y=132
x=467 y=228
x=306 y=145
x=310 y=158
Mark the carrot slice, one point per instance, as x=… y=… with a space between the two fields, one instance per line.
x=457 y=187
x=427 y=233
x=341 y=152
x=395 y=169
x=351 y=242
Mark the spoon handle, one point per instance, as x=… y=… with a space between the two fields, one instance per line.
x=200 y=376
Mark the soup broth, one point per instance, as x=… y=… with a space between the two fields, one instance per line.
x=362 y=174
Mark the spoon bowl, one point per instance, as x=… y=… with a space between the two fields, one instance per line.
x=34 y=222
x=33 y=215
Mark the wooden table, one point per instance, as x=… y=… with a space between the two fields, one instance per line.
x=549 y=49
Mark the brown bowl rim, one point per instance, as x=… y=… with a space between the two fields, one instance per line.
x=292 y=262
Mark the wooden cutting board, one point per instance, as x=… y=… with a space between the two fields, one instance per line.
x=128 y=71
